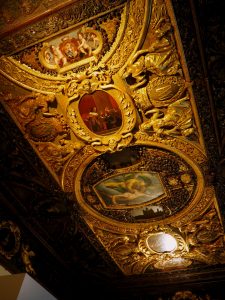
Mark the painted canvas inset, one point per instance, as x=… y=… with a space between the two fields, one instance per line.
x=128 y=189
x=100 y=112
x=71 y=50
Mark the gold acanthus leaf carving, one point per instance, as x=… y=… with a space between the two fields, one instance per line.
x=110 y=26
x=132 y=254
x=157 y=80
x=131 y=36
x=124 y=250
x=205 y=239
x=161 y=57
x=87 y=82
x=25 y=107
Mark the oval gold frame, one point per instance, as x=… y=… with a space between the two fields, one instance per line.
x=200 y=192
x=111 y=142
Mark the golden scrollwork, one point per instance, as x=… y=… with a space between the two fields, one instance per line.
x=72 y=166
x=133 y=255
x=178 y=242
x=110 y=27
x=134 y=95
x=161 y=57
x=165 y=247
x=27 y=78
x=205 y=238
x=124 y=250
x=93 y=84
x=155 y=81
x=87 y=82
x=138 y=12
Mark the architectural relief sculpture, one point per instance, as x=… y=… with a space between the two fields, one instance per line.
x=158 y=86
x=56 y=155
x=115 y=124
x=175 y=120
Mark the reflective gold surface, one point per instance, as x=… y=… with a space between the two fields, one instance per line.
x=116 y=124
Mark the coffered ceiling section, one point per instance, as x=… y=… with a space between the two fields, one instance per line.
x=102 y=92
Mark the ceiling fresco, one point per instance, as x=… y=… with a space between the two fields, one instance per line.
x=103 y=95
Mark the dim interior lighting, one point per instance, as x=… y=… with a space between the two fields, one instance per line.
x=162 y=242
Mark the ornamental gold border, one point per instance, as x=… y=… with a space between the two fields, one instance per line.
x=115 y=141
x=201 y=192
x=30 y=79
x=134 y=20
x=142 y=244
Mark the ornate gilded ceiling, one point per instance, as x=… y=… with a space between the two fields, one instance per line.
x=101 y=91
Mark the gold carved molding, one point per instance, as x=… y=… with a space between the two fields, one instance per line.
x=143 y=79
x=145 y=250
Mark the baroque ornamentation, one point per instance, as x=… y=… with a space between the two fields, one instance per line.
x=176 y=120
x=140 y=184
x=155 y=80
x=119 y=130
x=27 y=78
x=99 y=112
x=36 y=119
x=56 y=155
x=205 y=239
x=165 y=247
x=54 y=23
x=134 y=256
x=71 y=51
x=46 y=128
x=138 y=12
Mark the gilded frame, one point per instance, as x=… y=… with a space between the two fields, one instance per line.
x=202 y=197
x=108 y=142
